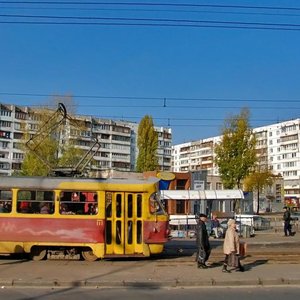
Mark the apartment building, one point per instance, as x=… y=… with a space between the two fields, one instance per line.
x=278 y=147
x=118 y=139
x=194 y=156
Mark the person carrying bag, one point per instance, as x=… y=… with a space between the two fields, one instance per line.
x=231 y=249
x=202 y=242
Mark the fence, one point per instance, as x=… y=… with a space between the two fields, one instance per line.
x=276 y=223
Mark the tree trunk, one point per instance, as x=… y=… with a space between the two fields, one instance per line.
x=257 y=210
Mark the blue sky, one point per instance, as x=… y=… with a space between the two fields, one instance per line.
x=134 y=70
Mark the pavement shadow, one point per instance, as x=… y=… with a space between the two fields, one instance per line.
x=13 y=259
x=216 y=264
x=183 y=248
x=255 y=263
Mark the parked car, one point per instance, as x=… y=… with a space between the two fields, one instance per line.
x=225 y=225
x=255 y=221
x=244 y=229
x=261 y=223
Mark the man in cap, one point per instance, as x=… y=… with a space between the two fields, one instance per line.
x=203 y=246
x=287 y=222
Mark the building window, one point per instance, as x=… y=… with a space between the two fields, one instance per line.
x=218 y=186
x=181 y=184
x=180 y=207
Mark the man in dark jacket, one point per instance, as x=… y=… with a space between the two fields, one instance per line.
x=203 y=246
x=287 y=221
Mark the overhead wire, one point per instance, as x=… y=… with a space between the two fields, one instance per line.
x=135 y=9
x=163 y=4
x=164 y=104
x=164 y=121
x=152 y=10
x=162 y=22
x=39 y=19
x=149 y=20
x=158 y=22
x=165 y=99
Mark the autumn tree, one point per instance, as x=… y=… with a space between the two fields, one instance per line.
x=258 y=181
x=236 y=154
x=147 y=143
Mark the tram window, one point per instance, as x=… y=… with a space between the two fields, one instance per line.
x=108 y=231
x=108 y=199
x=78 y=203
x=139 y=206
x=119 y=205
x=139 y=232
x=129 y=232
x=118 y=232
x=35 y=202
x=5 y=201
x=129 y=206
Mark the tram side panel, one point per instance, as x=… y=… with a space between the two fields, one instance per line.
x=46 y=218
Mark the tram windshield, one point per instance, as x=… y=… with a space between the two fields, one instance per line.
x=156 y=206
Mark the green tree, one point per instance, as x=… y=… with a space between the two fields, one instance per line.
x=236 y=154
x=147 y=142
x=70 y=156
x=257 y=181
x=44 y=151
x=32 y=164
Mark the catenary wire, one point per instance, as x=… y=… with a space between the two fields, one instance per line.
x=180 y=21
x=153 y=10
x=148 y=25
x=149 y=98
x=163 y=4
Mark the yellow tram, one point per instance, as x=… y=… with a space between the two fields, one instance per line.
x=52 y=217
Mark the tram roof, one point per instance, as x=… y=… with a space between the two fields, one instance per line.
x=54 y=182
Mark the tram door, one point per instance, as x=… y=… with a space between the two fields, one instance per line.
x=123 y=234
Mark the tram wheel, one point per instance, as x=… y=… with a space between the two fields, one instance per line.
x=88 y=255
x=38 y=253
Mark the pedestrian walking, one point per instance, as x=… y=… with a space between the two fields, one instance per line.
x=203 y=245
x=287 y=228
x=231 y=248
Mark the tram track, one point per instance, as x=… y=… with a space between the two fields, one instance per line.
x=252 y=257
x=247 y=260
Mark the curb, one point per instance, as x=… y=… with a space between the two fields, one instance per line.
x=151 y=284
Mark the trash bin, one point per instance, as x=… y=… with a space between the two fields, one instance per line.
x=243 y=249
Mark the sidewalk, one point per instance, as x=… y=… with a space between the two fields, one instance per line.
x=154 y=272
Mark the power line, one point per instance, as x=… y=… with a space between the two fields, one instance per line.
x=180 y=21
x=152 y=10
x=146 y=19
x=147 y=25
x=132 y=9
x=164 y=99
x=185 y=106
x=151 y=4
x=167 y=121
